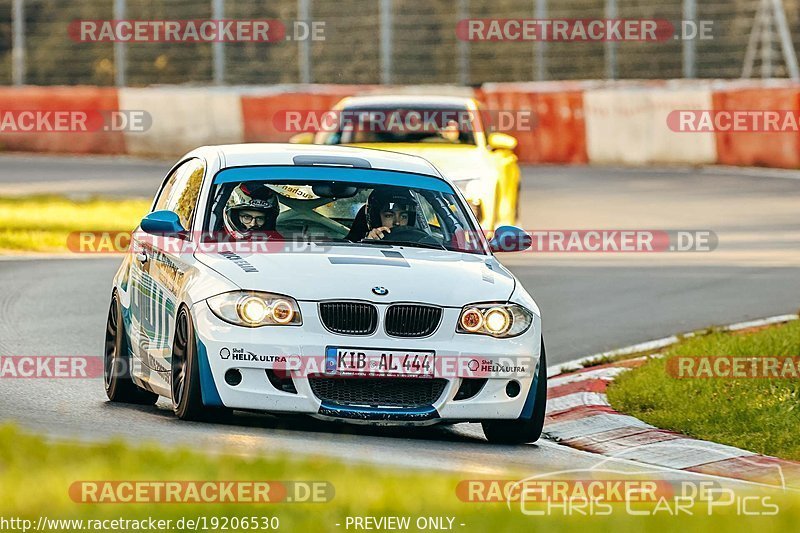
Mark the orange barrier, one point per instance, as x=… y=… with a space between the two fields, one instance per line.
x=777 y=149
x=60 y=101
x=558 y=134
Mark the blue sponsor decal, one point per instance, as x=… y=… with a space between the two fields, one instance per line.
x=530 y=401
x=208 y=388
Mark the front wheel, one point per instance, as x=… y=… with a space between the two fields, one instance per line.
x=116 y=362
x=187 y=396
x=523 y=430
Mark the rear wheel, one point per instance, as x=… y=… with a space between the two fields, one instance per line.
x=187 y=396
x=525 y=429
x=116 y=362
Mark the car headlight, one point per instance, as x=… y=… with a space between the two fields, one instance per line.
x=496 y=320
x=256 y=309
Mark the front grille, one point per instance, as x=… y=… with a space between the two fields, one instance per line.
x=378 y=392
x=412 y=320
x=349 y=318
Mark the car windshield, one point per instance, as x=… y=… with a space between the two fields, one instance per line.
x=434 y=125
x=428 y=214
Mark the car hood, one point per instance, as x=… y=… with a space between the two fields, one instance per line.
x=442 y=278
x=454 y=161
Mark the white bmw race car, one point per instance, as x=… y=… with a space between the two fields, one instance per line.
x=343 y=283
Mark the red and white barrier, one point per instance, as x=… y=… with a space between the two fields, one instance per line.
x=558 y=134
x=596 y=122
x=43 y=100
x=182 y=119
x=629 y=126
x=778 y=149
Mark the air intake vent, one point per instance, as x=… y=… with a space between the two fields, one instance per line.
x=378 y=392
x=412 y=320
x=349 y=318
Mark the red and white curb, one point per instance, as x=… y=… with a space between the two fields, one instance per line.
x=579 y=416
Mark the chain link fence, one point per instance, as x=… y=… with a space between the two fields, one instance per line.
x=379 y=41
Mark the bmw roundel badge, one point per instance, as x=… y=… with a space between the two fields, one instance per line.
x=380 y=291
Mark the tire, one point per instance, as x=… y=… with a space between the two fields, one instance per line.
x=187 y=396
x=116 y=362
x=521 y=431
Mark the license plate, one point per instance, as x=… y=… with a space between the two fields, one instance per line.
x=375 y=362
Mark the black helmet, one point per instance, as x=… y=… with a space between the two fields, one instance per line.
x=251 y=198
x=390 y=198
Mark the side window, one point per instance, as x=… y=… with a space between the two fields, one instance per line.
x=163 y=195
x=181 y=191
x=183 y=198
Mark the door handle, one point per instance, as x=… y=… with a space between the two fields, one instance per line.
x=141 y=257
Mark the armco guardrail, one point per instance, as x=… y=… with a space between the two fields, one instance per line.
x=572 y=122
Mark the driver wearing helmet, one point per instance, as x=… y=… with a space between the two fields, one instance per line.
x=389 y=208
x=250 y=210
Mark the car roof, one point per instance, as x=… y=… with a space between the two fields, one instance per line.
x=408 y=100
x=253 y=154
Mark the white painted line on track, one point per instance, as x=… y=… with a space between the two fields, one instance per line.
x=576 y=399
x=590 y=425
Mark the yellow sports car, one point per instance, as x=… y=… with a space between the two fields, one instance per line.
x=450 y=132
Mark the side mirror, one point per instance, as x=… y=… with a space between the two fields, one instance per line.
x=302 y=138
x=163 y=223
x=510 y=239
x=501 y=141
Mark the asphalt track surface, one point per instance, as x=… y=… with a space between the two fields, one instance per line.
x=590 y=302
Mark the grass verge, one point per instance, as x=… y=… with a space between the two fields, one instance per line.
x=760 y=415
x=43 y=223
x=35 y=477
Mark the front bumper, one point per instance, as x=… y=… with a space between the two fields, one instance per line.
x=219 y=341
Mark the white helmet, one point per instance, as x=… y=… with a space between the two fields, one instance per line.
x=250 y=198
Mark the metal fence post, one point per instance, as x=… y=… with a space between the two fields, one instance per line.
x=611 y=46
x=120 y=60
x=689 y=45
x=18 y=42
x=789 y=55
x=304 y=45
x=218 y=47
x=540 y=47
x=463 y=45
x=766 y=42
x=386 y=42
